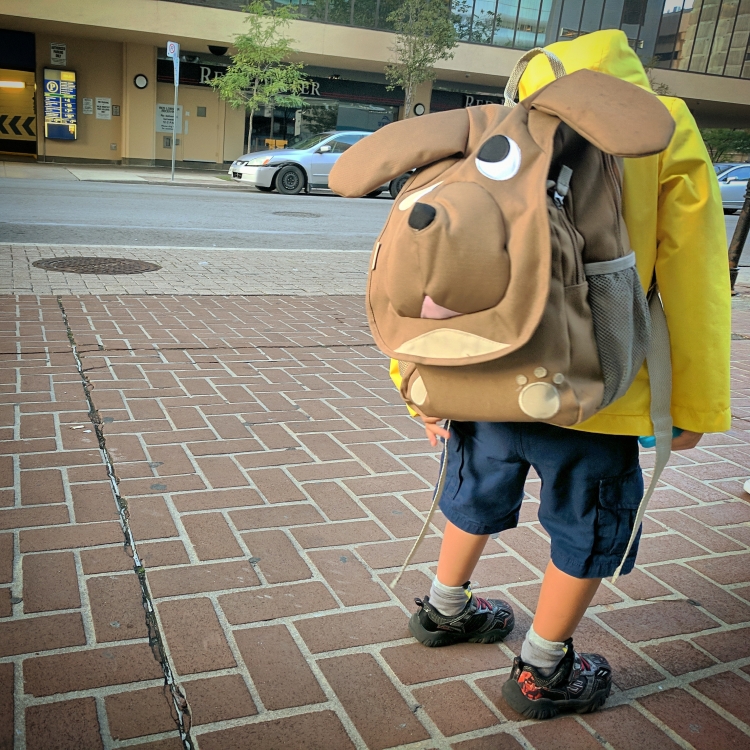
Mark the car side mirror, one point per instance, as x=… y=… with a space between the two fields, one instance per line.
x=324 y=149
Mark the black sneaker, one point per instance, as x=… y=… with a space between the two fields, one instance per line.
x=480 y=621
x=581 y=683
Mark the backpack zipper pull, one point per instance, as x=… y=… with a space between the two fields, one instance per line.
x=562 y=186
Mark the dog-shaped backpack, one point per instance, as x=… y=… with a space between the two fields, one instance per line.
x=503 y=281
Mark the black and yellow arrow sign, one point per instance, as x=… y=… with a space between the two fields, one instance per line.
x=18 y=127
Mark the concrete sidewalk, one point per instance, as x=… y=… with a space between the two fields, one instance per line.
x=30 y=170
x=232 y=582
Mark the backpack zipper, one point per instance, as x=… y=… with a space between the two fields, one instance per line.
x=613 y=173
x=560 y=191
x=575 y=237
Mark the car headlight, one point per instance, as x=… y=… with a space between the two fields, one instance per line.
x=259 y=161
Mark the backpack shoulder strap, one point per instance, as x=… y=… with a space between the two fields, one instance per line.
x=511 y=88
x=659 y=363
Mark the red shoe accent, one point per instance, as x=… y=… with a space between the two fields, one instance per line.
x=528 y=686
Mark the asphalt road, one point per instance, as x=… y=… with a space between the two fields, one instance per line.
x=102 y=213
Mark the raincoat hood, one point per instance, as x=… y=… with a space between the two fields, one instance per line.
x=603 y=51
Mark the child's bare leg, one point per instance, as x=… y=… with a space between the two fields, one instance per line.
x=562 y=603
x=459 y=555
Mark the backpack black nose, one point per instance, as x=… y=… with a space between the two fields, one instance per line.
x=421 y=216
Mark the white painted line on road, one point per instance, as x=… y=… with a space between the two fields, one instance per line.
x=201 y=248
x=181 y=229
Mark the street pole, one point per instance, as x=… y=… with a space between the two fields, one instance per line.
x=173 y=51
x=174 y=125
x=739 y=238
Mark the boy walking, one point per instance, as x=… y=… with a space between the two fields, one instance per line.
x=591 y=479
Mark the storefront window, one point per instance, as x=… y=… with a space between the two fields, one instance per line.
x=287 y=127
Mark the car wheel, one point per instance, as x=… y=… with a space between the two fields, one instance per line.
x=264 y=189
x=374 y=194
x=397 y=185
x=290 y=180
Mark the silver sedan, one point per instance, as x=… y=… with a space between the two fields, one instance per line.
x=304 y=166
x=733 y=183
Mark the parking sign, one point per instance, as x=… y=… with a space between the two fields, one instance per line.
x=173 y=51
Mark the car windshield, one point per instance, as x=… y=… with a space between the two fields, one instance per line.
x=308 y=142
x=722 y=168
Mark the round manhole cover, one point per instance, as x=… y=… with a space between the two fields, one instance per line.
x=298 y=214
x=104 y=266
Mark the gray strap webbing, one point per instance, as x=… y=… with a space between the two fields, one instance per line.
x=435 y=501
x=511 y=88
x=659 y=363
x=562 y=186
x=609 y=266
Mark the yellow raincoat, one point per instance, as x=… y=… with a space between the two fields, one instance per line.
x=674 y=216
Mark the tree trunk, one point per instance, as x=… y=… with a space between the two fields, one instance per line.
x=408 y=96
x=252 y=112
x=250 y=133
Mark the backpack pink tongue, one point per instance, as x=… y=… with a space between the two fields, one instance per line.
x=433 y=311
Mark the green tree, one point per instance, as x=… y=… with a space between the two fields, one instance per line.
x=722 y=142
x=260 y=74
x=425 y=33
x=659 y=88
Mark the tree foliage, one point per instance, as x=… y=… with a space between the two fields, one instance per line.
x=260 y=74
x=659 y=88
x=722 y=142
x=425 y=33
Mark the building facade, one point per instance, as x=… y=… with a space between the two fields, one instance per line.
x=83 y=81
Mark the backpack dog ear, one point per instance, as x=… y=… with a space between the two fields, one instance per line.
x=616 y=116
x=398 y=148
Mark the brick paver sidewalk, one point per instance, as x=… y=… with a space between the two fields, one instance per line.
x=272 y=486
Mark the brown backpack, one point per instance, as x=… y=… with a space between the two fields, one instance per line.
x=503 y=281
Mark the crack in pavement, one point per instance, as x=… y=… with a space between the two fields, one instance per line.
x=179 y=708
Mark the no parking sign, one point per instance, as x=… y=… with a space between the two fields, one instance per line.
x=173 y=51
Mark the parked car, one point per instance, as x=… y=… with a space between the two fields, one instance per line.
x=304 y=165
x=722 y=166
x=733 y=183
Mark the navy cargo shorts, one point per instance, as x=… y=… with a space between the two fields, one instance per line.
x=591 y=488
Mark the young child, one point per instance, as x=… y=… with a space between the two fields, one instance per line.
x=591 y=479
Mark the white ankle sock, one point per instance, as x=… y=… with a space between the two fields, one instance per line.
x=448 y=600
x=540 y=653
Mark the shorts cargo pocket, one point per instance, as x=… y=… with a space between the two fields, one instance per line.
x=619 y=498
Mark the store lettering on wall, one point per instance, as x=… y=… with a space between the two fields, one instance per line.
x=472 y=101
x=206 y=73
x=310 y=88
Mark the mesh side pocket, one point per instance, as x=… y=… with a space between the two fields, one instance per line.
x=622 y=326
